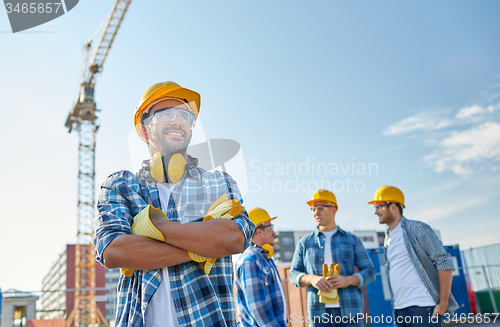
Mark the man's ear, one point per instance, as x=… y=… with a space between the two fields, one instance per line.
x=144 y=132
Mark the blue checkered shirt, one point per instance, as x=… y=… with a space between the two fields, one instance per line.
x=260 y=301
x=427 y=255
x=348 y=252
x=199 y=299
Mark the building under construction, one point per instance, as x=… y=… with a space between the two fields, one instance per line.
x=58 y=298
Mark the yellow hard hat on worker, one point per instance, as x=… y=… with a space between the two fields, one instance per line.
x=322 y=195
x=159 y=91
x=388 y=194
x=259 y=216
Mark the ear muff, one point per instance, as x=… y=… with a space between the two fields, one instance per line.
x=167 y=168
x=269 y=249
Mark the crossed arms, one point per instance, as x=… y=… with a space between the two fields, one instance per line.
x=116 y=247
x=214 y=239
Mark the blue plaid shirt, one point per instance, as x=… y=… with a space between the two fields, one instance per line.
x=348 y=252
x=260 y=301
x=199 y=299
x=427 y=255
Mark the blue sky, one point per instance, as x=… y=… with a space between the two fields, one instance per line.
x=410 y=89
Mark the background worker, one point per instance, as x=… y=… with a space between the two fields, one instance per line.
x=327 y=244
x=261 y=299
x=164 y=286
x=419 y=268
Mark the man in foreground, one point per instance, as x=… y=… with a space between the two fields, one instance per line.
x=158 y=225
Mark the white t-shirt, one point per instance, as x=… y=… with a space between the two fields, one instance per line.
x=328 y=258
x=161 y=311
x=408 y=288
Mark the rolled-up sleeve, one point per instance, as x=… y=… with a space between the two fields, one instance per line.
x=434 y=249
x=366 y=272
x=244 y=223
x=114 y=216
x=298 y=269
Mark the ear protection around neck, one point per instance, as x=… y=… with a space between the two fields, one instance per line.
x=269 y=249
x=167 y=168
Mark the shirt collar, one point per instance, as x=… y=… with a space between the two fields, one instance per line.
x=191 y=168
x=317 y=231
x=257 y=249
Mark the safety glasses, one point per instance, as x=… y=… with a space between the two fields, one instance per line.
x=169 y=114
x=382 y=206
x=319 y=207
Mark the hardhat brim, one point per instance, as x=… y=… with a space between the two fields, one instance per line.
x=312 y=202
x=379 y=202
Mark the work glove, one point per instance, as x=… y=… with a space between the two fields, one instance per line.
x=221 y=208
x=332 y=296
x=143 y=226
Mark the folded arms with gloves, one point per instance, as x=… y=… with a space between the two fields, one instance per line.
x=168 y=243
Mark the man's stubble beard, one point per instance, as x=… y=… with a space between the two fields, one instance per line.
x=166 y=148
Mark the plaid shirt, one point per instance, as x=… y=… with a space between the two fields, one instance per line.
x=260 y=301
x=427 y=255
x=348 y=252
x=199 y=299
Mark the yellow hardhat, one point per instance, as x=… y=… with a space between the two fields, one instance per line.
x=388 y=194
x=164 y=90
x=258 y=216
x=323 y=195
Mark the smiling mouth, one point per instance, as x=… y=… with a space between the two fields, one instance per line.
x=174 y=133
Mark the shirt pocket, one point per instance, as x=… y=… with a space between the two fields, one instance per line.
x=193 y=211
x=267 y=275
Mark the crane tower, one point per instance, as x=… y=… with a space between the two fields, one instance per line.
x=83 y=119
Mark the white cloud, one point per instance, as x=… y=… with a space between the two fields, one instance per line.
x=468 y=140
x=425 y=121
x=493 y=107
x=470 y=111
x=428 y=214
x=461 y=150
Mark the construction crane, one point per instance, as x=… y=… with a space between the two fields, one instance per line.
x=82 y=118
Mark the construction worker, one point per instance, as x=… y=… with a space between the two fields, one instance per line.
x=324 y=262
x=157 y=225
x=260 y=295
x=419 y=269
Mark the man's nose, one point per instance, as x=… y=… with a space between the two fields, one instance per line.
x=177 y=120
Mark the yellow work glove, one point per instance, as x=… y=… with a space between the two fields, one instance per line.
x=143 y=226
x=221 y=208
x=332 y=296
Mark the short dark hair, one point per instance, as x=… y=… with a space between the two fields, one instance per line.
x=399 y=206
